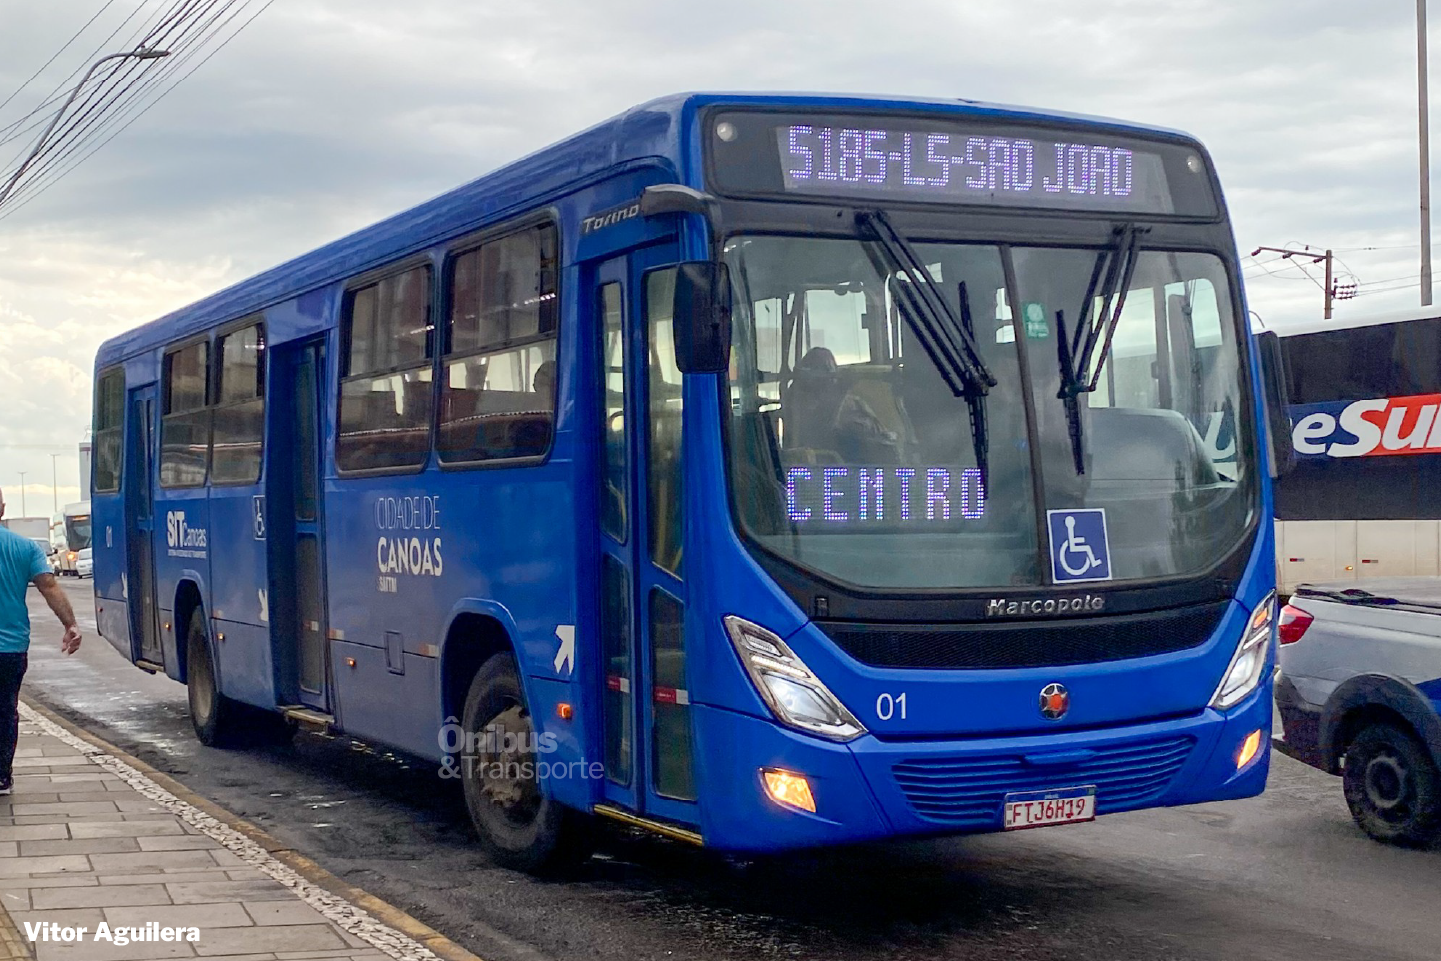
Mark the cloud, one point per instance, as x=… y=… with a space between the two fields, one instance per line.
x=329 y=114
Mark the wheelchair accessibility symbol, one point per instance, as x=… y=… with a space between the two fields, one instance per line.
x=1079 y=551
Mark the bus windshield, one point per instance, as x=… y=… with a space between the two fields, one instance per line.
x=77 y=531
x=852 y=455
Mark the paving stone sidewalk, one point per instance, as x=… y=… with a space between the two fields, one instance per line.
x=81 y=844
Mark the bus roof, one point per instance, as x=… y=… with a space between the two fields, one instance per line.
x=650 y=130
x=1365 y=320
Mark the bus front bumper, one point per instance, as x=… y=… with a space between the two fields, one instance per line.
x=872 y=789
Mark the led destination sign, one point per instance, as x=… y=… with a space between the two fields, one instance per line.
x=852 y=498
x=912 y=160
x=960 y=168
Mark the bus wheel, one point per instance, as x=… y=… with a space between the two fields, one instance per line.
x=210 y=711
x=518 y=825
x=1393 y=787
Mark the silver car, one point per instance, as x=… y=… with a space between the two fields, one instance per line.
x=1360 y=696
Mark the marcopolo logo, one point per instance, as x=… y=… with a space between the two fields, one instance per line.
x=1380 y=427
x=182 y=540
x=1030 y=607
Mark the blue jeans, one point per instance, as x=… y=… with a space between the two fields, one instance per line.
x=12 y=670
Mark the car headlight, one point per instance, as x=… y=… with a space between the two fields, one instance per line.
x=1248 y=664
x=792 y=692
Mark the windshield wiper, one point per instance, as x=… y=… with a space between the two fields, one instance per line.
x=1077 y=351
x=947 y=337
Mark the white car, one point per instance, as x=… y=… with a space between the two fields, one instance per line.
x=84 y=563
x=1360 y=696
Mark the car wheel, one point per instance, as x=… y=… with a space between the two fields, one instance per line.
x=211 y=713
x=518 y=825
x=1392 y=786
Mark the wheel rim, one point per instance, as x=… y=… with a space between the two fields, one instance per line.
x=1387 y=784
x=507 y=776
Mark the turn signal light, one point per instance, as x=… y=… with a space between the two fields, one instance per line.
x=564 y=711
x=1249 y=748
x=792 y=790
x=1293 y=624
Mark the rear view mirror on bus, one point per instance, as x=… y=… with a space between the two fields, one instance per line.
x=702 y=317
x=1282 y=455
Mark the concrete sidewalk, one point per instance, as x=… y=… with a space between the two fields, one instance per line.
x=87 y=840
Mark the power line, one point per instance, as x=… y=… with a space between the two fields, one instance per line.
x=112 y=89
x=4 y=103
x=58 y=94
x=103 y=109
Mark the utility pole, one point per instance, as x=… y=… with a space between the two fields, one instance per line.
x=22 y=493
x=1331 y=290
x=54 y=486
x=1424 y=111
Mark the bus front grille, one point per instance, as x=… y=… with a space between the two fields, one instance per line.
x=967 y=792
x=1054 y=643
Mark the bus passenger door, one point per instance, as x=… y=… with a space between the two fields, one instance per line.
x=139 y=481
x=293 y=515
x=646 y=712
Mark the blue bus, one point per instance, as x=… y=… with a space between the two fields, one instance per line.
x=746 y=468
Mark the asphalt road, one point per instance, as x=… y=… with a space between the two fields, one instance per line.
x=1284 y=876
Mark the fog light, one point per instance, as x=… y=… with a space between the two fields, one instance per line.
x=791 y=790
x=1249 y=749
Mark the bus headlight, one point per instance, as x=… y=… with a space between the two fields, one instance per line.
x=795 y=696
x=1248 y=664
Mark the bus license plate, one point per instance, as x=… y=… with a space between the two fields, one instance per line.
x=1037 y=809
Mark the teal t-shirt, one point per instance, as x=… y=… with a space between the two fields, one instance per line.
x=21 y=561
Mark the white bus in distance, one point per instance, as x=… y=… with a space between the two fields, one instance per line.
x=1364 y=499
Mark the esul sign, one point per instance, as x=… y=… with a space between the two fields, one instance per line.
x=1368 y=428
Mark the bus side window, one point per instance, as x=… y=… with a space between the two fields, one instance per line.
x=499 y=380
x=240 y=410
x=386 y=394
x=663 y=469
x=185 y=424
x=109 y=429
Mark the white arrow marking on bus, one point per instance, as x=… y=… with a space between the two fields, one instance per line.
x=566 y=654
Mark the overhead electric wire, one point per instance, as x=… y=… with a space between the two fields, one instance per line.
x=110 y=90
x=62 y=89
x=114 y=92
x=35 y=187
x=184 y=46
x=66 y=46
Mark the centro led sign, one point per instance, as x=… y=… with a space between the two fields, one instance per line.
x=842 y=497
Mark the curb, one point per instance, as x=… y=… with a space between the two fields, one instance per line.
x=382 y=911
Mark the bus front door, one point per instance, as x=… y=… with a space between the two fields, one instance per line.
x=140 y=530
x=293 y=515
x=646 y=703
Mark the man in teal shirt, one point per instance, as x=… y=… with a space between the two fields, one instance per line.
x=21 y=564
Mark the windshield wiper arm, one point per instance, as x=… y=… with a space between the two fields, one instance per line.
x=948 y=338
x=1081 y=364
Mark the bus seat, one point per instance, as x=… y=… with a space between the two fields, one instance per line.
x=872 y=426
x=1130 y=445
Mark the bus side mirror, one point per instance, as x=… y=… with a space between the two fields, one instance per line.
x=702 y=317
x=1281 y=454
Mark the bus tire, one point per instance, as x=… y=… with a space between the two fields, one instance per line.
x=518 y=825
x=211 y=713
x=1393 y=787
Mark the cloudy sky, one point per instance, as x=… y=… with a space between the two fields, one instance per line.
x=325 y=115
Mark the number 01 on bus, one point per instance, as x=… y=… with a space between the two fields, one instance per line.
x=764 y=471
